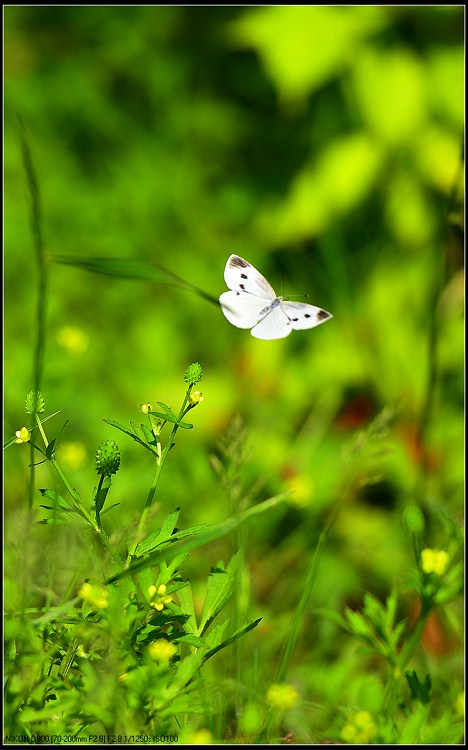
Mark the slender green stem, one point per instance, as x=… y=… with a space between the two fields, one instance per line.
x=415 y=634
x=439 y=281
x=41 y=429
x=42 y=267
x=160 y=461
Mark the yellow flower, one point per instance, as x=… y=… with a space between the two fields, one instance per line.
x=73 y=455
x=200 y=737
x=302 y=489
x=94 y=595
x=160 y=599
x=162 y=650
x=23 y=435
x=73 y=340
x=434 y=561
x=360 y=729
x=196 y=397
x=146 y=408
x=282 y=697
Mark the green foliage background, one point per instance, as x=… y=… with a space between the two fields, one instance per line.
x=323 y=144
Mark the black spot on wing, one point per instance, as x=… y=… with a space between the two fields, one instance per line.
x=322 y=315
x=237 y=262
x=244 y=276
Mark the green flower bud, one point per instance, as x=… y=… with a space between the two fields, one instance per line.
x=107 y=458
x=34 y=402
x=413 y=520
x=193 y=373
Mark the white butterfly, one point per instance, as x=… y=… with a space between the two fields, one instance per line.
x=253 y=303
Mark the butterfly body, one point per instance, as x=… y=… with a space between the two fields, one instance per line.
x=253 y=303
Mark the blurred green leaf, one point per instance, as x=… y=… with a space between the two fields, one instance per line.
x=131 y=269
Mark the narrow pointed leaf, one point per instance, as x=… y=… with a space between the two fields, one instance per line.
x=238 y=634
x=182 y=546
x=131 y=269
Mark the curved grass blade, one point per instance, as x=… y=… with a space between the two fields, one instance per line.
x=131 y=269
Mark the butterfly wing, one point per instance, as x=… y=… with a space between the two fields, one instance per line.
x=302 y=316
x=241 y=276
x=274 y=325
x=241 y=309
x=251 y=293
x=252 y=303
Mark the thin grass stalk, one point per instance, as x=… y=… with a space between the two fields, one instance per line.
x=42 y=281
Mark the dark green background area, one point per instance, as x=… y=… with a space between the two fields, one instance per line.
x=323 y=144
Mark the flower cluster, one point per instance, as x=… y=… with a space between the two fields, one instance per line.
x=434 y=561
x=282 y=697
x=360 y=729
x=96 y=596
x=162 y=650
x=158 y=597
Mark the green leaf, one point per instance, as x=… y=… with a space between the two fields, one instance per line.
x=106 y=510
x=219 y=590
x=160 y=535
x=99 y=495
x=63 y=511
x=134 y=436
x=50 y=450
x=149 y=434
x=191 y=640
x=186 y=604
x=167 y=410
x=131 y=269
x=214 y=637
x=359 y=625
x=419 y=691
x=238 y=634
x=188 y=668
x=57 y=499
x=173 y=419
x=183 y=546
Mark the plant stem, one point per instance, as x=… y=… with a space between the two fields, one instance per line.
x=415 y=634
x=42 y=267
x=160 y=461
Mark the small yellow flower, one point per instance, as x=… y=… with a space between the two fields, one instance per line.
x=196 y=397
x=162 y=650
x=73 y=455
x=160 y=599
x=74 y=340
x=282 y=697
x=434 y=561
x=360 y=729
x=23 y=435
x=460 y=703
x=94 y=595
x=301 y=488
x=200 y=737
x=146 y=408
